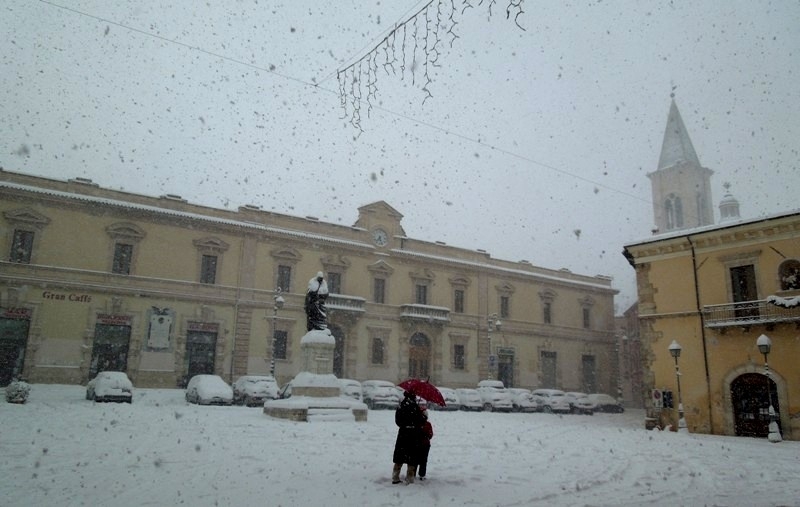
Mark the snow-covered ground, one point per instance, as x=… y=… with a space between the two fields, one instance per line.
x=60 y=449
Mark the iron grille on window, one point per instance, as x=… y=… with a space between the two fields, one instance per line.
x=122 y=259
x=208 y=269
x=21 y=247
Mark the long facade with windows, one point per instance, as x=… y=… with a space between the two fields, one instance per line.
x=96 y=279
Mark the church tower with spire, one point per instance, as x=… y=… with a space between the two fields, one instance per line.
x=681 y=185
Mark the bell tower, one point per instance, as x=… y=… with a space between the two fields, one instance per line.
x=681 y=186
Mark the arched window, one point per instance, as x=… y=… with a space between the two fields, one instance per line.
x=673 y=211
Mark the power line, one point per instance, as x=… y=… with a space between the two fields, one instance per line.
x=316 y=86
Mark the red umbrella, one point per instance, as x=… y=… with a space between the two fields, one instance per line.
x=423 y=389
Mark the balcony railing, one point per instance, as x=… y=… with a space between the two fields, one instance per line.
x=431 y=314
x=345 y=303
x=749 y=313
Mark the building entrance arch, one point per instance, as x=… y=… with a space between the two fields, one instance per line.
x=750 y=400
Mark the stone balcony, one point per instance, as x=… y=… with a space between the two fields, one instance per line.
x=429 y=314
x=750 y=313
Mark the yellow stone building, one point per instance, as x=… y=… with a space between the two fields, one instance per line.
x=715 y=290
x=94 y=279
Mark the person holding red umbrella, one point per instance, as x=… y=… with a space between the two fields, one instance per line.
x=409 y=420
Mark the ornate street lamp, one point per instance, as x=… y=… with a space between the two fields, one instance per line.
x=675 y=351
x=764 y=345
x=493 y=323
x=277 y=304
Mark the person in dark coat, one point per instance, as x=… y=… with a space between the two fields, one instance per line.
x=425 y=446
x=409 y=420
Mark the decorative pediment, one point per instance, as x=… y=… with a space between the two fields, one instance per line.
x=286 y=254
x=211 y=245
x=423 y=274
x=586 y=302
x=460 y=281
x=26 y=216
x=381 y=268
x=506 y=289
x=548 y=295
x=335 y=263
x=125 y=231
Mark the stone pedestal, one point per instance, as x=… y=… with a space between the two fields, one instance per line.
x=315 y=390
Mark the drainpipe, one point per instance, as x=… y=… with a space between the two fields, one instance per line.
x=702 y=333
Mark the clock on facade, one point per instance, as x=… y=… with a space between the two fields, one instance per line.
x=380 y=237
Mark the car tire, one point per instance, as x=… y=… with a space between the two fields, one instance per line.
x=547 y=409
x=487 y=407
x=246 y=401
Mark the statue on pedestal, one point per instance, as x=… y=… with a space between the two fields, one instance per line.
x=316 y=294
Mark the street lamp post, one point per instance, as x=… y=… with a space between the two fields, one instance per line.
x=675 y=351
x=277 y=304
x=493 y=323
x=764 y=345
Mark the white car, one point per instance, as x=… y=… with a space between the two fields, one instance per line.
x=522 y=400
x=579 y=403
x=554 y=400
x=209 y=390
x=351 y=388
x=451 y=400
x=494 y=395
x=606 y=403
x=470 y=399
x=381 y=394
x=254 y=390
x=110 y=386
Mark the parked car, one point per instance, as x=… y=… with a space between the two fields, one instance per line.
x=451 y=400
x=469 y=399
x=554 y=401
x=209 y=390
x=579 y=403
x=351 y=388
x=254 y=390
x=380 y=394
x=606 y=403
x=494 y=396
x=522 y=400
x=110 y=386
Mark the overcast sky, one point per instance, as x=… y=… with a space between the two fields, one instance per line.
x=535 y=143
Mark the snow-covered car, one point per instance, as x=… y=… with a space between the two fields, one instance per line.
x=380 y=394
x=451 y=400
x=554 y=400
x=209 y=390
x=579 y=403
x=110 y=386
x=470 y=399
x=351 y=388
x=606 y=403
x=522 y=400
x=254 y=390
x=494 y=396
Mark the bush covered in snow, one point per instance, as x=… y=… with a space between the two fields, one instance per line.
x=17 y=391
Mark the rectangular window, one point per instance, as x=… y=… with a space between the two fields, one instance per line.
x=548 y=313
x=458 y=301
x=548 y=368
x=743 y=285
x=504 y=307
x=21 y=247
x=377 y=351
x=123 y=253
x=281 y=339
x=589 y=374
x=379 y=290
x=458 y=357
x=422 y=295
x=208 y=269
x=587 y=318
x=284 y=278
x=335 y=283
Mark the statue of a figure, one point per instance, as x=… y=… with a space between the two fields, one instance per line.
x=317 y=293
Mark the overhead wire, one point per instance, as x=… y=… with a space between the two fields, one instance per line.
x=316 y=86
